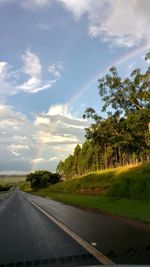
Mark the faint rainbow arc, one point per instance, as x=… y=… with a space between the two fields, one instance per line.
x=86 y=86
x=117 y=62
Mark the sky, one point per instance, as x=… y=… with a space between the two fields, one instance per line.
x=52 y=53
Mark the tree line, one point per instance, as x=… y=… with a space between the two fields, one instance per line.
x=123 y=136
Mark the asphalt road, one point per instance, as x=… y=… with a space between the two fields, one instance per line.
x=29 y=238
x=120 y=241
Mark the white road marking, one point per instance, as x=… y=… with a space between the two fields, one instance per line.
x=92 y=250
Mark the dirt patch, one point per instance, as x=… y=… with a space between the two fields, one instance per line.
x=91 y=191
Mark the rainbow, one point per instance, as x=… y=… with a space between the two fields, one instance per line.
x=134 y=52
x=89 y=83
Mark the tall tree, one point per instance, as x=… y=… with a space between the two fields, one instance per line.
x=122 y=137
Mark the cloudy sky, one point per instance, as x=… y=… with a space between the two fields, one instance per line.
x=52 y=53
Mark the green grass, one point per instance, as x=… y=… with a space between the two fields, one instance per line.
x=123 y=191
x=133 y=209
x=12 y=180
x=134 y=184
x=111 y=182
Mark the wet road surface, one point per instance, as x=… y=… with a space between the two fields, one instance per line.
x=28 y=238
x=119 y=240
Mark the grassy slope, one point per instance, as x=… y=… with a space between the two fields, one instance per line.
x=95 y=191
x=97 y=183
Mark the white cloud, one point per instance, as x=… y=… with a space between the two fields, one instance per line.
x=59 y=109
x=58 y=132
x=8 y=118
x=119 y=22
x=37 y=160
x=47 y=138
x=33 y=68
x=73 y=126
x=123 y=23
x=15 y=153
x=17 y=147
x=34 y=85
x=41 y=120
x=28 y=78
x=32 y=65
x=16 y=142
x=39 y=144
x=78 y=7
x=3 y=70
x=52 y=159
x=56 y=69
x=5 y=80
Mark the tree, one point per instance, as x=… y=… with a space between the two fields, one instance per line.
x=76 y=161
x=60 y=168
x=123 y=136
x=68 y=167
x=126 y=95
x=42 y=178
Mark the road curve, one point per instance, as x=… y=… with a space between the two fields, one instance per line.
x=122 y=242
x=29 y=238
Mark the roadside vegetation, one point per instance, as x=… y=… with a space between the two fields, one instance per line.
x=111 y=170
x=42 y=178
x=99 y=191
x=123 y=182
x=125 y=208
x=121 y=137
x=4 y=188
x=11 y=179
x=8 y=182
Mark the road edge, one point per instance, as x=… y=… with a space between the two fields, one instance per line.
x=92 y=250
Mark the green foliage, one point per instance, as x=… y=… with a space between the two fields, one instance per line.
x=83 y=192
x=124 y=182
x=134 y=185
x=14 y=180
x=24 y=186
x=125 y=94
x=133 y=209
x=42 y=178
x=121 y=138
x=5 y=187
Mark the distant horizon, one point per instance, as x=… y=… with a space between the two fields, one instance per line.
x=13 y=173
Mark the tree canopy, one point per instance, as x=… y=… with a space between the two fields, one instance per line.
x=123 y=137
x=42 y=178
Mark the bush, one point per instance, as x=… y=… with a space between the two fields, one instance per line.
x=4 y=187
x=42 y=178
x=135 y=185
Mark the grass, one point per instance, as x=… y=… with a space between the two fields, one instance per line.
x=102 y=182
x=12 y=180
x=134 y=184
x=133 y=209
x=123 y=191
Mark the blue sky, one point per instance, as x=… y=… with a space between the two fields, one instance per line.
x=52 y=53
